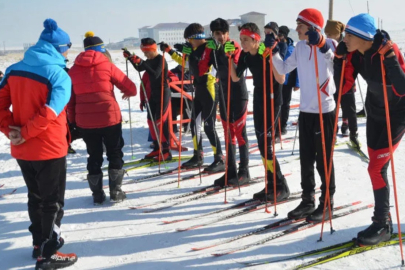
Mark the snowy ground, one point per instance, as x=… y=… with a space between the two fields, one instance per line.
x=115 y=237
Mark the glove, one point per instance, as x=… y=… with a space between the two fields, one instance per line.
x=142 y=105
x=184 y=48
x=341 y=50
x=164 y=47
x=382 y=43
x=263 y=51
x=315 y=38
x=229 y=47
x=126 y=53
x=134 y=59
x=213 y=44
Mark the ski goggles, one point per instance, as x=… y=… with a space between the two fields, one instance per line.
x=69 y=45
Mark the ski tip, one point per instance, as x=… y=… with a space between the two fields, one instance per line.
x=217 y=254
x=181 y=230
x=196 y=249
x=173 y=221
x=356 y=203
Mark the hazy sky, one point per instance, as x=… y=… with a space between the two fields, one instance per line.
x=21 y=20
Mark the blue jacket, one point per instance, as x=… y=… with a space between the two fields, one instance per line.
x=289 y=49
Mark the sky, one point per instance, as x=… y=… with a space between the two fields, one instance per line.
x=22 y=20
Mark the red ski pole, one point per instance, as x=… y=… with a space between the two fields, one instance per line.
x=334 y=140
x=265 y=130
x=181 y=117
x=161 y=107
x=273 y=131
x=228 y=139
x=325 y=165
x=387 y=117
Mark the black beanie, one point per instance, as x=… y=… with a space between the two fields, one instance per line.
x=284 y=30
x=93 y=43
x=273 y=26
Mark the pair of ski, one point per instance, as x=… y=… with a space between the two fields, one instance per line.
x=8 y=193
x=297 y=228
x=340 y=250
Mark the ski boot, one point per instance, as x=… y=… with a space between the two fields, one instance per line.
x=196 y=161
x=96 y=186
x=115 y=177
x=36 y=252
x=232 y=178
x=283 y=192
x=155 y=152
x=305 y=208
x=379 y=231
x=317 y=215
x=361 y=114
x=217 y=166
x=345 y=128
x=56 y=261
x=167 y=154
x=354 y=141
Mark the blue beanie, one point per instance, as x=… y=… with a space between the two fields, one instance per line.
x=362 y=26
x=56 y=36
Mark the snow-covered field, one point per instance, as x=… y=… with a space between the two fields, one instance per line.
x=115 y=237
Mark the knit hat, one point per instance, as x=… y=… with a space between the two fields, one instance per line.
x=55 y=35
x=334 y=27
x=93 y=43
x=284 y=30
x=311 y=17
x=273 y=26
x=362 y=26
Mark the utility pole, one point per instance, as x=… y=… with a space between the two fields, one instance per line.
x=4 y=47
x=330 y=9
x=368 y=8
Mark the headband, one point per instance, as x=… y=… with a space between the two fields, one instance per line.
x=251 y=34
x=149 y=48
x=197 y=36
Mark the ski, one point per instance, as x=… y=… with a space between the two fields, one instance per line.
x=278 y=224
x=8 y=193
x=216 y=191
x=2 y=185
x=355 y=249
x=297 y=228
x=359 y=151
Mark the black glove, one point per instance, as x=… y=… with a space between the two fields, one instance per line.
x=341 y=49
x=382 y=43
x=164 y=47
x=185 y=48
x=270 y=41
x=315 y=38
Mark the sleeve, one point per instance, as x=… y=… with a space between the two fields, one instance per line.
x=154 y=73
x=71 y=108
x=6 y=116
x=349 y=76
x=284 y=67
x=122 y=82
x=330 y=54
x=58 y=96
x=297 y=80
x=178 y=58
x=395 y=68
x=242 y=65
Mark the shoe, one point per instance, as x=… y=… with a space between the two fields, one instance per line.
x=243 y=175
x=115 y=177
x=232 y=178
x=317 y=215
x=305 y=208
x=96 y=186
x=354 y=141
x=152 y=145
x=196 y=161
x=379 y=231
x=36 y=252
x=283 y=130
x=71 y=150
x=167 y=155
x=56 y=261
x=217 y=166
x=155 y=152
x=345 y=128
x=283 y=192
x=361 y=113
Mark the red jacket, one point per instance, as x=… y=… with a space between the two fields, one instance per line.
x=93 y=103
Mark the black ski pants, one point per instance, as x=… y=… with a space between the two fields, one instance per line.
x=348 y=105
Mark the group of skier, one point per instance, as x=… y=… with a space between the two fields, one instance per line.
x=37 y=125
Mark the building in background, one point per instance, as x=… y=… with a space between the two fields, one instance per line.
x=130 y=42
x=170 y=33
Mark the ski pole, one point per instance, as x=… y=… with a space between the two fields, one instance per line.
x=161 y=107
x=181 y=117
x=295 y=138
x=387 y=117
x=334 y=140
x=273 y=130
x=362 y=98
x=325 y=165
x=265 y=132
x=130 y=119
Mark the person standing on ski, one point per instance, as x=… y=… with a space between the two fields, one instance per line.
x=206 y=99
x=238 y=103
x=252 y=57
x=153 y=67
x=291 y=79
x=334 y=30
x=363 y=45
x=97 y=115
x=309 y=25
x=38 y=89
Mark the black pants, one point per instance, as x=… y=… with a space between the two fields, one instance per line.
x=46 y=183
x=378 y=150
x=285 y=108
x=310 y=139
x=112 y=138
x=262 y=135
x=205 y=105
x=348 y=105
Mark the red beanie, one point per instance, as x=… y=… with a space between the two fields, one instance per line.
x=311 y=17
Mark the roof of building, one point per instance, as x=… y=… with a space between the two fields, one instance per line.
x=148 y=26
x=171 y=25
x=253 y=13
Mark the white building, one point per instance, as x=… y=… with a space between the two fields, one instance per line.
x=170 y=33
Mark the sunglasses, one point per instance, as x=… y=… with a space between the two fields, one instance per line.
x=69 y=45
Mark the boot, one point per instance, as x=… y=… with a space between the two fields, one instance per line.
x=36 y=252
x=283 y=130
x=317 y=215
x=305 y=208
x=167 y=154
x=243 y=175
x=283 y=192
x=96 y=186
x=379 y=231
x=196 y=161
x=56 y=261
x=155 y=152
x=115 y=177
x=232 y=178
x=354 y=141
x=361 y=113
x=345 y=128
x=217 y=166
